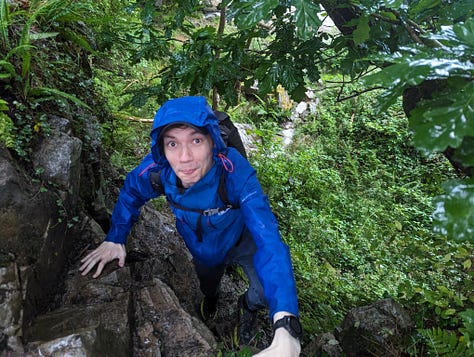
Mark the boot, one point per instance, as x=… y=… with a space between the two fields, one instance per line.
x=246 y=328
x=208 y=308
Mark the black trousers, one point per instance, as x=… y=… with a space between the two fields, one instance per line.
x=242 y=254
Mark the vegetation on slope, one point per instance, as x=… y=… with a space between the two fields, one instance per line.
x=353 y=196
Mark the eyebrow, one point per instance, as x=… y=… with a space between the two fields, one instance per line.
x=168 y=136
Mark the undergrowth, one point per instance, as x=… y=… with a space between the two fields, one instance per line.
x=354 y=202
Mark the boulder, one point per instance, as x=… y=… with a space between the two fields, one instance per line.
x=325 y=345
x=57 y=157
x=163 y=327
x=375 y=330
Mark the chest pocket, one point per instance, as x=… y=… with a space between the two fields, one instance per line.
x=212 y=216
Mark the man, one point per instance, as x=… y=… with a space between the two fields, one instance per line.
x=221 y=213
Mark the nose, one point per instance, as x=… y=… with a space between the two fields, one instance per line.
x=185 y=153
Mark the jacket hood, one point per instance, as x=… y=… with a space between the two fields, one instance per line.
x=191 y=110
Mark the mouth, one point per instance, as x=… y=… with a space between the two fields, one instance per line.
x=188 y=172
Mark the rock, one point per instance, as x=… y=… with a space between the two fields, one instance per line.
x=94 y=318
x=20 y=201
x=249 y=138
x=58 y=160
x=324 y=345
x=162 y=325
x=75 y=345
x=11 y=299
x=374 y=330
x=32 y=233
x=164 y=256
x=99 y=330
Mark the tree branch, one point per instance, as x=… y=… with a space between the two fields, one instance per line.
x=133 y=118
x=220 y=31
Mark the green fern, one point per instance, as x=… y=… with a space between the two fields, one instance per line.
x=44 y=91
x=7 y=133
x=445 y=343
x=4 y=20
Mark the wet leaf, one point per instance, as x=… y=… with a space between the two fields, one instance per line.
x=454 y=214
x=361 y=33
x=436 y=128
x=249 y=13
x=307 y=20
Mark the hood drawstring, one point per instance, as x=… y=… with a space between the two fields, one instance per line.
x=226 y=163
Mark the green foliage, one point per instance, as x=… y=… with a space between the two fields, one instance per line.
x=7 y=127
x=19 y=48
x=42 y=45
x=200 y=58
x=354 y=200
x=353 y=197
x=127 y=142
x=454 y=214
x=445 y=343
x=243 y=352
x=444 y=121
x=468 y=329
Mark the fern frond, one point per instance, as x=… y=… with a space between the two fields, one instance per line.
x=4 y=20
x=43 y=91
x=444 y=343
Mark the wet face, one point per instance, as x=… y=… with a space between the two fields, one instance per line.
x=189 y=153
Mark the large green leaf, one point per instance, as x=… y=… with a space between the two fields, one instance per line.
x=465 y=32
x=461 y=34
x=414 y=64
x=438 y=126
x=396 y=78
x=361 y=33
x=454 y=214
x=465 y=152
x=247 y=13
x=307 y=20
x=461 y=9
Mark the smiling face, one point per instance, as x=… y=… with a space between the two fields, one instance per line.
x=189 y=153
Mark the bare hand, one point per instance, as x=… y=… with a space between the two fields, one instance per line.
x=283 y=344
x=104 y=253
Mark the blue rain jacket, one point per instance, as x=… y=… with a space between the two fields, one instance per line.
x=219 y=232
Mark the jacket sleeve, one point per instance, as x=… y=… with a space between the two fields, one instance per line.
x=136 y=191
x=272 y=259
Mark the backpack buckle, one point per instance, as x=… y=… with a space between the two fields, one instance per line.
x=219 y=211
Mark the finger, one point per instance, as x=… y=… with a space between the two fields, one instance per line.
x=89 y=256
x=82 y=267
x=87 y=262
x=99 y=268
x=121 y=261
x=87 y=267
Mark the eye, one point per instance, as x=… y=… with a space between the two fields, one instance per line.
x=171 y=144
x=198 y=140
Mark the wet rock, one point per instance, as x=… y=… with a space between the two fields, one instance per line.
x=98 y=330
x=32 y=233
x=20 y=201
x=162 y=325
x=164 y=256
x=113 y=283
x=79 y=344
x=325 y=344
x=375 y=330
x=94 y=318
x=11 y=299
x=248 y=136
x=58 y=160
